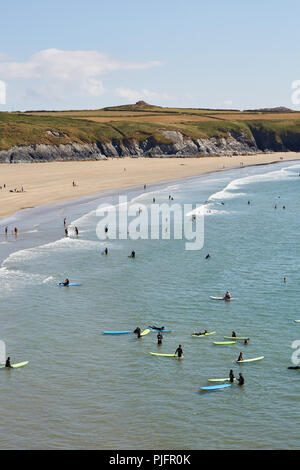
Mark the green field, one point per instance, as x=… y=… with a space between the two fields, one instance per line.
x=143 y=121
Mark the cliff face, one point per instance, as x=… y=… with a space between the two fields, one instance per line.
x=178 y=145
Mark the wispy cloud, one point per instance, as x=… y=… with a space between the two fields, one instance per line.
x=68 y=71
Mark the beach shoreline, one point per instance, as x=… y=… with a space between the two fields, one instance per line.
x=51 y=182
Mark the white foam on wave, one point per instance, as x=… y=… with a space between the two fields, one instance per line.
x=235 y=185
x=206 y=209
x=63 y=245
x=12 y=279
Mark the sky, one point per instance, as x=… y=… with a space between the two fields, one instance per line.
x=75 y=54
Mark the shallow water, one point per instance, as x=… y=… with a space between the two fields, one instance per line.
x=83 y=389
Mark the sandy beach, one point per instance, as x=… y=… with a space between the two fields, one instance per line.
x=44 y=183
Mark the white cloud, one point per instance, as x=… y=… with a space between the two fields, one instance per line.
x=68 y=71
x=227 y=102
x=144 y=94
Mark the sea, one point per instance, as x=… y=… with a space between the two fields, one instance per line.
x=83 y=389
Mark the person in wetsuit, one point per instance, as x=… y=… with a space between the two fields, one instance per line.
x=227 y=296
x=8 y=364
x=159 y=337
x=207 y=256
x=137 y=331
x=132 y=254
x=241 y=357
x=179 y=351
x=231 y=376
x=66 y=283
x=233 y=334
x=241 y=379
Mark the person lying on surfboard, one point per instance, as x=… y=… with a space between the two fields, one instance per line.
x=156 y=327
x=8 y=364
x=241 y=357
x=200 y=333
x=179 y=351
x=227 y=296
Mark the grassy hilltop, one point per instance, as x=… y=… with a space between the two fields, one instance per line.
x=277 y=128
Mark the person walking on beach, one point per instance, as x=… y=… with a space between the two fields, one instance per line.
x=179 y=351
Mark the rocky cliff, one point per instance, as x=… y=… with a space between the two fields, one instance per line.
x=178 y=145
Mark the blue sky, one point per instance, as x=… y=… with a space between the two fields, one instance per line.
x=75 y=54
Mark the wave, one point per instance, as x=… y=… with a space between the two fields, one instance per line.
x=229 y=191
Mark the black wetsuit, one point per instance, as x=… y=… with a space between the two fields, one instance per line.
x=8 y=364
x=179 y=352
x=241 y=380
x=231 y=377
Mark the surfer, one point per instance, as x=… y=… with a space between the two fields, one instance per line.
x=241 y=379
x=157 y=327
x=76 y=231
x=66 y=283
x=105 y=252
x=246 y=342
x=241 y=357
x=179 y=351
x=137 y=331
x=159 y=337
x=233 y=334
x=132 y=254
x=231 y=376
x=207 y=256
x=66 y=232
x=200 y=333
x=8 y=364
x=227 y=296
x=65 y=223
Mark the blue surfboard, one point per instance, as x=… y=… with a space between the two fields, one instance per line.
x=215 y=387
x=61 y=284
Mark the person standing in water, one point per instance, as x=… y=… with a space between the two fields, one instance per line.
x=137 y=331
x=132 y=254
x=65 y=222
x=66 y=232
x=159 y=338
x=241 y=379
x=231 y=376
x=8 y=364
x=16 y=231
x=179 y=351
x=76 y=231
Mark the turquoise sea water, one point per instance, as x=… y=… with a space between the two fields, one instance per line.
x=82 y=389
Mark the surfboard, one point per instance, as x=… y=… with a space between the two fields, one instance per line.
x=165 y=355
x=236 y=338
x=220 y=380
x=297 y=321
x=205 y=334
x=222 y=298
x=73 y=284
x=224 y=342
x=145 y=332
x=116 y=332
x=15 y=366
x=162 y=331
x=215 y=387
x=250 y=360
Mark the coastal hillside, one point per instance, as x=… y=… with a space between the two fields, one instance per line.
x=142 y=129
